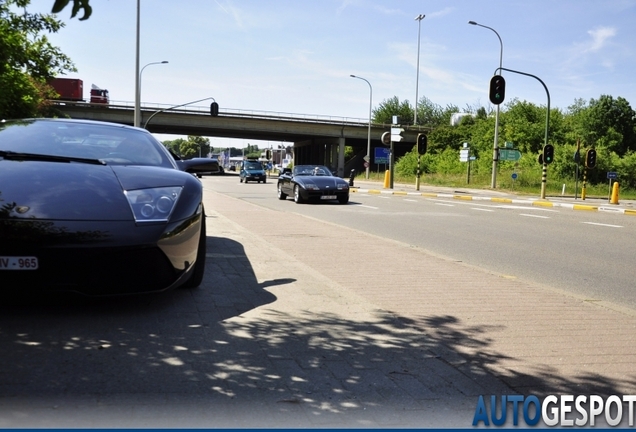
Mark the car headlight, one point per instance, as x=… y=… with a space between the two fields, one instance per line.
x=342 y=186
x=311 y=186
x=153 y=204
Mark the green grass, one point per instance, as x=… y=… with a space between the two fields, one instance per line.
x=521 y=186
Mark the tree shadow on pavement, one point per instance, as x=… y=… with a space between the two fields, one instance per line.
x=200 y=358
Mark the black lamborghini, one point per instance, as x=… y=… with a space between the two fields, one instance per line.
x=97 y=208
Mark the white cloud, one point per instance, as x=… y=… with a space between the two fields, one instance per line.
x=441 y=13
x=600 y=36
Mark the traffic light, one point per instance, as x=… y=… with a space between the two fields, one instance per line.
x=268 y=154
x=497 y=89
x=590 y=158
x=422 y=140
x=548 y=153
x=214 y=109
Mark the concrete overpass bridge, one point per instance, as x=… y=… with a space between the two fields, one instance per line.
x=316 y=139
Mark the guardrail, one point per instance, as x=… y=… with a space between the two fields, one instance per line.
x=205 y=109
x=268 y=115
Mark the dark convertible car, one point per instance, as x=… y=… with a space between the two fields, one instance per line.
x=97 y=208
x=312 y=183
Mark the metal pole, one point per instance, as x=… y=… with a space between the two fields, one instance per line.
x=495 y=150
x=547 y=118
x=137 y=119
x=419 y=19
x=138 y=106
x=577 y=158
x=173 y=107
x=391 y=166
x=417 y=178
x=544 y=179
x=369 y=128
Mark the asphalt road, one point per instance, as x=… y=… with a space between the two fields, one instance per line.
x=590 y=254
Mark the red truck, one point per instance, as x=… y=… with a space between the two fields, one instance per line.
x=72 y=89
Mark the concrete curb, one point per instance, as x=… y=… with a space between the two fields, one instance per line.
x=531 y=201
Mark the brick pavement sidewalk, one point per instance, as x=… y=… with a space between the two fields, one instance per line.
x=415 y=328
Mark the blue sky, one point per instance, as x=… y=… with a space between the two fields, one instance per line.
x=296 y=56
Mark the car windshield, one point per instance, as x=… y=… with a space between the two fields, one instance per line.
x=311 y=170
x=112 y=144
x=253 y=166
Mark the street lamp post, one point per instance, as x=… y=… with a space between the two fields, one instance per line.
x=419 y=19
x=368 y=162
x=495 y=152
x=136 y=119
x=138 y=96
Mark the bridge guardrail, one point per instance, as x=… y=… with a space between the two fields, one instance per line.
x=269 y=115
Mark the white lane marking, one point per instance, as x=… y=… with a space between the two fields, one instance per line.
x=514 y=207
x=481 y=209
x=602 y=224
x=535 y=216
x=366 y=206
x=411 y=200
x=499 y=206
x=444 y=204
x=385 y=197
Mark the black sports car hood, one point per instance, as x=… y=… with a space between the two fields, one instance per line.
x=322 y=181
x=73 y=191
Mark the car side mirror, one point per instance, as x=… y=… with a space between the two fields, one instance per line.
x=199 y=165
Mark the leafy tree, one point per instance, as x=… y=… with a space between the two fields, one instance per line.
x=448 y=136
x=174 y=145
x=27 y=60
x=201 y=144
x=390 y=107
x=428 y=113
x=78 y=5
x=610 y=123
x=523 y=124
x=189 y=148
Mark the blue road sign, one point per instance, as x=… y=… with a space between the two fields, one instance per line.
x=381 y=155
x=612 y=175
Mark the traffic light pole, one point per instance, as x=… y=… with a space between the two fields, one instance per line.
x=547 y=121
x=544 y=179
x=145 y=126
x=417 y=178
x=391 y=166
x=420 y=145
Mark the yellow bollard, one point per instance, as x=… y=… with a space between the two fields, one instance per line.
x=387 y=179
x=614 y=198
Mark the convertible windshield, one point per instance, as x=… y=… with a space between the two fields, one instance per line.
x=311 y=170
x=77 y=140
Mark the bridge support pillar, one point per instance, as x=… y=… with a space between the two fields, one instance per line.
x=341 y=155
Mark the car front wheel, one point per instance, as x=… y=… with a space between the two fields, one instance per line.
x=298 y=199
x=281 y=195
x=343 y=199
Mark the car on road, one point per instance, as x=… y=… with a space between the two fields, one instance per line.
x=312 y=183
x=97 y=208
x=252 y=170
